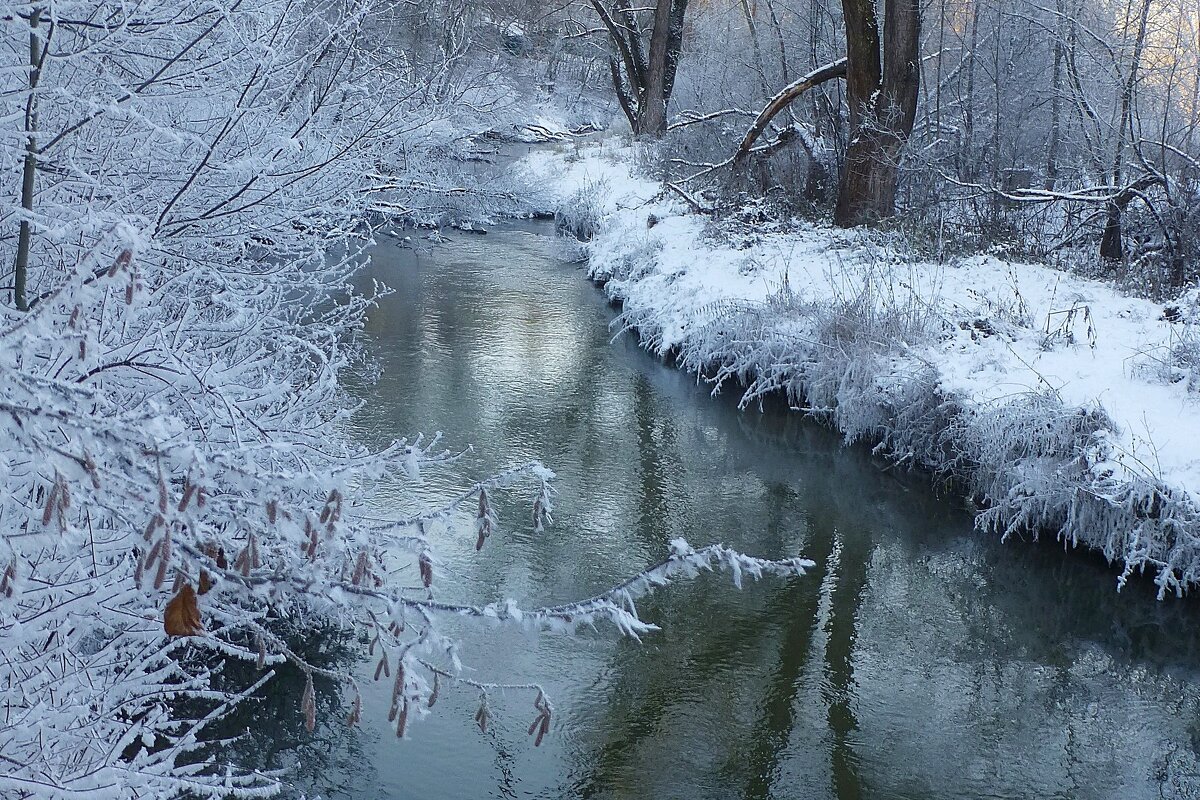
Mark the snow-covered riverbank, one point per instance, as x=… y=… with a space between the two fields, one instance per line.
x=1062 y=405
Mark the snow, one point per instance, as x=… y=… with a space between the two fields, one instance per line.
x=995 y=341
x=1157 y=422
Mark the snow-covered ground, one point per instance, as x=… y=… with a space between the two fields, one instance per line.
x=1060 y=403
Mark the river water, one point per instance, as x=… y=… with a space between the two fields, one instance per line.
x=919 y=659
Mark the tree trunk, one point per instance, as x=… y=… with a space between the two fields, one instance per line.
x=868 y=189
x=782 y=99
x=29 y=172
x=883 y=106
x=966 y=156
x=666 y=40
x=1111 y=246
x=652 y=116
x=644 y=90
x=760 y=64
x=1055 y=105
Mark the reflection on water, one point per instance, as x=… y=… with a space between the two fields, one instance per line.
x=918 y=660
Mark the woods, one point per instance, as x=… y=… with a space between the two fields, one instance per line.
x=1065 y=132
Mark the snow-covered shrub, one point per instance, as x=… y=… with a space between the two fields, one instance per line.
x=849 y=362
x=580 y=214
x=1024 y=460
x=633 y=258
x=1038 y=466
x=1185 y=357
x=1177 y=359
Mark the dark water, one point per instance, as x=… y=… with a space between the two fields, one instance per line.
x=918 y=660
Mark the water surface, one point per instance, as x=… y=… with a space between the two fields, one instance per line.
x=919 y=659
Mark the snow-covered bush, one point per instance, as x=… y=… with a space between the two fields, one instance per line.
x=580 y=214
x=1185 y=357
x=849 y=362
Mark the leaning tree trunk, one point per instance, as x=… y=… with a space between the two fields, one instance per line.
x=882 y=95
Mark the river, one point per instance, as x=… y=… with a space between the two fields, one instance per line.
x=919 y=659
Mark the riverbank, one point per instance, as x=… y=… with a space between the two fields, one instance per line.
x=1061 y=406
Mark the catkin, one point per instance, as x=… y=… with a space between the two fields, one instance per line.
x=48 y=512
x=433 y=695
x=151 y=526
x=426 y=566
x=189 y=489
x=10 y=575
x=164 y=563
x=308 y=704
x=481 y=716
x=402 y=723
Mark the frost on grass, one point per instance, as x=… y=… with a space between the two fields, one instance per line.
x=915 y=360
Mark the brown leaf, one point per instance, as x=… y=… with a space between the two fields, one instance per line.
x=205 y=582
x=182 y=615
x=426 y=566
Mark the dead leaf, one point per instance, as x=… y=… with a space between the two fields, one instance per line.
x=182 y=615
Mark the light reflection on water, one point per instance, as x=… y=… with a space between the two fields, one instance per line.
x=918 y=660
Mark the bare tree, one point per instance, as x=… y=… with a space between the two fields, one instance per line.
x=643 y=73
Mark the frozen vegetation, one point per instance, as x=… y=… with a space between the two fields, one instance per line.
x=1061 y=405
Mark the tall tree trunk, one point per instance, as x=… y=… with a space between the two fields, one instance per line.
x=1112 y=247
x=998 y=78
x=644 y=90
x=760 y=64
x=29 y=172
x=883 y=103
x=1055 y=104
x=967 y=165
x=666 y=40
